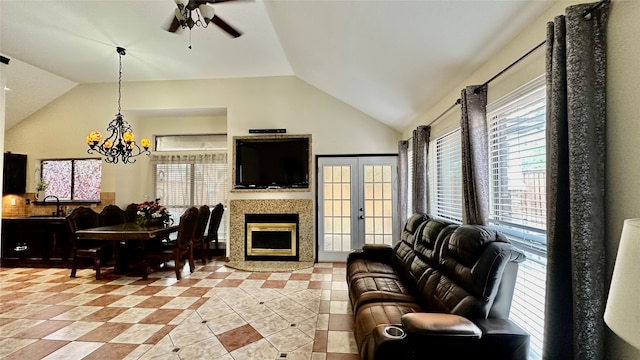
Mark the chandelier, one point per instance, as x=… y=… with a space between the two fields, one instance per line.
x=120 y=145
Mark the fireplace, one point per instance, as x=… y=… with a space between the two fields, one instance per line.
x=271 y=237
x=303 y=208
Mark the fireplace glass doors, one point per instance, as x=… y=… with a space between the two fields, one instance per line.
x=272 y=237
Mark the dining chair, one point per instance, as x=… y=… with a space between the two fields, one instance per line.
x=214 y=225
x=132 y=212
x=85 y=218
x=112 y=215
x=198 y=236
x=181 y=248
x=124 y=252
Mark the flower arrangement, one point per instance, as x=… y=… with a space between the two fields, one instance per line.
x=42 y=185
x=150 y=212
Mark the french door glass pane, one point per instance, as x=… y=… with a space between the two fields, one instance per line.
x=337 y=205
x=378 y=208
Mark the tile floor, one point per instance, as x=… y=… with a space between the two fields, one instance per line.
x=214 y=313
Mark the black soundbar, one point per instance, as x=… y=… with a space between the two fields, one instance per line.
x=267 y=131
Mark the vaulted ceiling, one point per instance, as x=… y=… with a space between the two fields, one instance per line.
x=391 y=59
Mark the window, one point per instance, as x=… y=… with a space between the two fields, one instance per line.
x=73 y=179
x=445 y=177
x=182 y=181
x=518 y=196
x=210 y=142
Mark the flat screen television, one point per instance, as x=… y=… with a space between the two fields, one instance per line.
x=280 y=163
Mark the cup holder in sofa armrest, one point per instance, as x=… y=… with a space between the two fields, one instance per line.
x=437 y=324
x=395 y=332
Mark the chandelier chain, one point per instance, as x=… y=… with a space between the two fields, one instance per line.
x=119 y=80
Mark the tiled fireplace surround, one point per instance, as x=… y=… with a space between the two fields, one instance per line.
x=302 y=207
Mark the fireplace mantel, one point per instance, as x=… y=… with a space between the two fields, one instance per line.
x=302 y=207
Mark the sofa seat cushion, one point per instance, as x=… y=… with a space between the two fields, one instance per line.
x=371 y=315
x=367 y=288
x=368 y=266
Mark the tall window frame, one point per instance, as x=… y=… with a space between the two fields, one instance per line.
x=517 y=161
x=445 y=177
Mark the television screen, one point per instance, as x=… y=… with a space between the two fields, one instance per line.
x=272 y=163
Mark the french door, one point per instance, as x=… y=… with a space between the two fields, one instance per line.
x=357 y=204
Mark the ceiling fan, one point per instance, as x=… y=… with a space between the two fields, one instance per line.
x=190 y=13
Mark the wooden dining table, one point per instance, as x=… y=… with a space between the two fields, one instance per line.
x=125 y=233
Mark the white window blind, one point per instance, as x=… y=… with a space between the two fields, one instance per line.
x=182 y=181
x=445 y=177
x=518 y=196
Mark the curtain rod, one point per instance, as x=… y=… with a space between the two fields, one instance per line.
x=510 y=66
x=446 y=111
x=585 y=14
x=593 y=8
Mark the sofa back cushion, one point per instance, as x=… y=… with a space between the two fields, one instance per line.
x=411 y=228
x=427 y=244
x=419 y=252
x=403 y=254
x=470 y=266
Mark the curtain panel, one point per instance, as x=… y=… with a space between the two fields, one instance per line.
x=475 y=155
x=420 y=182
x=576 y=120
x=403 y=182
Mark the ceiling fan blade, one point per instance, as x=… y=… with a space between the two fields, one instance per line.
x=216 y=1
x=175 y=25
x=226 y=27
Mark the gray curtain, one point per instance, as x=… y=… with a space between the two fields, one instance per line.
x=403 y=182
x=475 y=156
x=420 y=184
x=576 y=119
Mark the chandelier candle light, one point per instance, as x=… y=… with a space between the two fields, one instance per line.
x=120 y=145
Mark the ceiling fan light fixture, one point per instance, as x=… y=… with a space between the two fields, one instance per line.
x=207 y=12
x=182 y=3
x=179 y=15
x=198 y=13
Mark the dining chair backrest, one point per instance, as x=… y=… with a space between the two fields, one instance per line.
x=112 y=215
x=82 y=218
x=132 y=212
x=214 y=222
x=187 y=226
x=203 y=218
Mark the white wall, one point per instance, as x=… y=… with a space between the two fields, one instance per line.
x=623 y=125
x=59 y=130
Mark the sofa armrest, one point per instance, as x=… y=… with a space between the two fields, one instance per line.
x=376 y=247
x=503 y=340
x=437 y=324
x=376 y=252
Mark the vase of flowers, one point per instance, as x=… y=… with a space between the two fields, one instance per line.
x=150 y=212
x=41 y=187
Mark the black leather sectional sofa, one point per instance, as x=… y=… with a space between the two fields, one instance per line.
x=442 y=292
